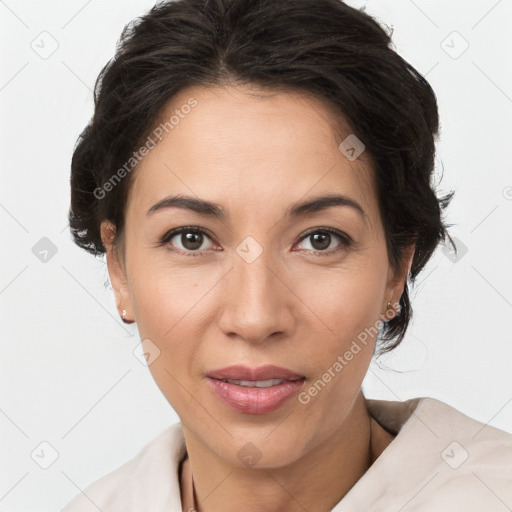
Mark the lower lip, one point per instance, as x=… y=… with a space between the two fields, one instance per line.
x=254 y=400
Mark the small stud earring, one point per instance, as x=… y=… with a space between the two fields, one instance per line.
x=123 y=317
x=391 y=307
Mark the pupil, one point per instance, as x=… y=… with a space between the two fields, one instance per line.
x=326 y=241
x=192 y=241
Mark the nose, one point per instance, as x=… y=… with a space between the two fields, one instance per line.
x=257 y=304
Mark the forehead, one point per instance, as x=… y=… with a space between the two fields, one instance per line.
x=241 y=144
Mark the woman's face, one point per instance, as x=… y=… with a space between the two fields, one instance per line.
x=262 y=283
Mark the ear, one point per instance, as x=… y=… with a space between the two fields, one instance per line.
x=396 y=285
x=116 y=270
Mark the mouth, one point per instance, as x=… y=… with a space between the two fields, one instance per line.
x=256 y=383
x=254 y=390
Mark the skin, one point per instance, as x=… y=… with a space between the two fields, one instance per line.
x=255 y=153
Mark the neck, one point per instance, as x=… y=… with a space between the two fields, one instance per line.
x=316 y=481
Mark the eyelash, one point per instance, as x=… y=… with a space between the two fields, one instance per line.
x=344 y=238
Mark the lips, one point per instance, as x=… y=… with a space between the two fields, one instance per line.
x=254 y=390
x=254 y=374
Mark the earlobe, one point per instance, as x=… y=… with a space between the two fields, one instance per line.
x=116 y=271
x=397 y=284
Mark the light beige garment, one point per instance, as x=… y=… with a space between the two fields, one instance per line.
x=440 y=460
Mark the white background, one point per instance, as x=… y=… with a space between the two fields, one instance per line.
x=68 y=374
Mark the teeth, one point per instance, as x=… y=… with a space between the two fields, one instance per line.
x=255 y=383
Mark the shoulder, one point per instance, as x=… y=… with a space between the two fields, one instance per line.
x=440 y=459
x=480 y=440
x=149 y=478
x=474 y=462
x=418 y=416
x=456 y=460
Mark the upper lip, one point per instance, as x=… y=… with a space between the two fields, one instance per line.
x=266 y=372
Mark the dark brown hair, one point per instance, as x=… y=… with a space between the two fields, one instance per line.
x=321 y=47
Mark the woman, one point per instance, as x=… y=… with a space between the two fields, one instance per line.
x=258 y=174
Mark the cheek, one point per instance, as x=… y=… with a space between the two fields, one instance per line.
x=163 y=305
x=347 y=303
x=347 y=299
x=165 y=297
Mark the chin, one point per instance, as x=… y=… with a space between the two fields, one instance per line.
x=262 y=447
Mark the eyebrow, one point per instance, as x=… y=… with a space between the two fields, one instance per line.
x=216 y=211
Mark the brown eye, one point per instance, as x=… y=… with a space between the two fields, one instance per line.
x=321 y=240
x=191 y=241
x=187 y=239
